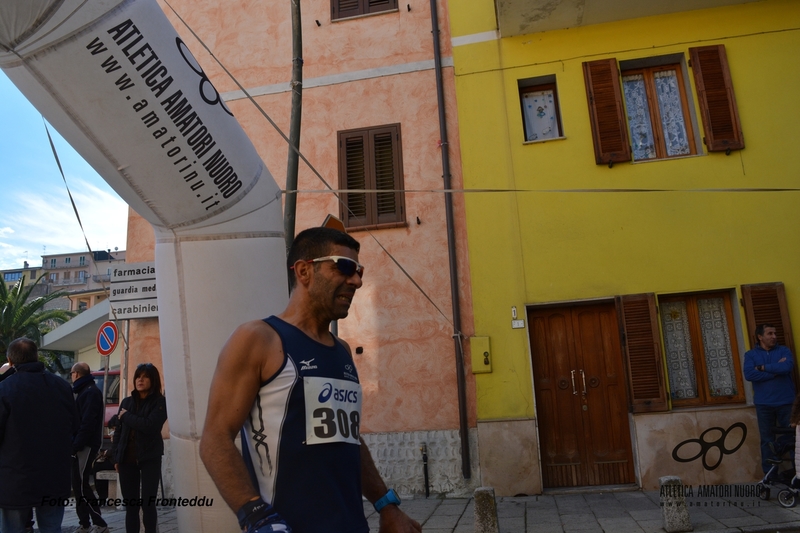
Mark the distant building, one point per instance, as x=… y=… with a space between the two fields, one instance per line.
x=12 y=276
x=85 y=276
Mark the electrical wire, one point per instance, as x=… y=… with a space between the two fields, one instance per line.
x=83 y=231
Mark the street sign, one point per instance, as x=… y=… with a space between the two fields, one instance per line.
x=107 y=337
x=133 y=291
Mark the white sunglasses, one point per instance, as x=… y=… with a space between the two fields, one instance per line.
x=345 y=265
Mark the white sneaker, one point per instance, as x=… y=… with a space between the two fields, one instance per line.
x=82 y=529
x=99 y=529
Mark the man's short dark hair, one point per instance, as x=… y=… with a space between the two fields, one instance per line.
x=316 y=242
x=21 y=351
x=760 y=329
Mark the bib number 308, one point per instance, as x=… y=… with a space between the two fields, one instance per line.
x=330 y=422
x=333 y=410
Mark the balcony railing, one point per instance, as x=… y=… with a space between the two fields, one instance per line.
x=62 y=264
x=101 y=278
x=72 y=281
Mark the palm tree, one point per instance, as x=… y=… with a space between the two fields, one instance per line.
x=21 y=317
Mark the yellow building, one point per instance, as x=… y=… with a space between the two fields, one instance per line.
x=12 y=276
x=638 y=189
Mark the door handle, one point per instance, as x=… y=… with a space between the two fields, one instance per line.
x=574 y=390
x=583 y=377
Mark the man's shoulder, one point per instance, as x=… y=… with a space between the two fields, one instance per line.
x=256 y=332
x=91 y=389
x=254 y=345
x=57 y=381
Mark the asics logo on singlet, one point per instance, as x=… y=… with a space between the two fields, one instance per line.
x=307 y=364
x=340 y=395
x=326 y=392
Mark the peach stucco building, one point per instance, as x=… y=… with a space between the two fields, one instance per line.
x=370 y=96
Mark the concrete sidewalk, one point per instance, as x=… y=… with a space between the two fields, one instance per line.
x=595 y=512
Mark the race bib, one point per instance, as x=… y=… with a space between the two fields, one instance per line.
x=333 y=410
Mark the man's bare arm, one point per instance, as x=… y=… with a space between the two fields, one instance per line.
x=393 y=519
x=248 y=358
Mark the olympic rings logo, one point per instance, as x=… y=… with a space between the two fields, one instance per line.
x=707 y=446
x=208 y=92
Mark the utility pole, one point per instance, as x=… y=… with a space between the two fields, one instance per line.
x=290 y=207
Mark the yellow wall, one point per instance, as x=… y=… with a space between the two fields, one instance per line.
x=552 y=240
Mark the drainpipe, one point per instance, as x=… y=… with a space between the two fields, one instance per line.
x=451 y=250
x=294 y=126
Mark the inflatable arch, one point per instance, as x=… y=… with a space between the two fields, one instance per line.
x=116 y=80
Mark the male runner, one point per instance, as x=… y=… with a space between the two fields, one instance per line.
x=291 y=387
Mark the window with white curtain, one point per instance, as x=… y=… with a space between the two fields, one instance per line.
x=701 y=351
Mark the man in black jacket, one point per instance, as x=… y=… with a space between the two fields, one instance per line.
x=37 y=420
x=85 y=444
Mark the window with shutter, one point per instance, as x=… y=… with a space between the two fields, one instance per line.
x=700 y=350
x=370 y=159
x=717 y=101
x=341 y=9
x=658 y=112
x=642 y=349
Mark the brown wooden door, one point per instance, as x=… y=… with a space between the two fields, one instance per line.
x=581 y=398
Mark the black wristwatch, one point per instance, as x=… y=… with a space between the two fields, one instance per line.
x=389 y=497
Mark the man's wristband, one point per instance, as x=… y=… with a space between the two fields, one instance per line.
x=389 y=498
x=252 y=512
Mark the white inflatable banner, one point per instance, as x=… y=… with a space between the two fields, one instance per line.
x=116 y=80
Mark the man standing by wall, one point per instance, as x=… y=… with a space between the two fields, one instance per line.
x=85 y=444
x=37 y=420
x=294 y=388
x=769 y=367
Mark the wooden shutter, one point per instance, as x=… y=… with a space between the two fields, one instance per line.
x=642 y=349
x=717 y=101
x=353 y=174
x=371 y=159
x=609 y=127
x=385 y=144
x=351 y=8
x=346 y=8
x=765 y=303
x=374 y=6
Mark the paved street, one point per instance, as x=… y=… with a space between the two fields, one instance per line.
x=614 y=512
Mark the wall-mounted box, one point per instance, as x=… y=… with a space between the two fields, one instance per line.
x=481 y=355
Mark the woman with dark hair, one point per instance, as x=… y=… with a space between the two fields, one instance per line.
x=137 y=447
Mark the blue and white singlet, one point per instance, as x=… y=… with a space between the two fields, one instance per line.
x=301 y=440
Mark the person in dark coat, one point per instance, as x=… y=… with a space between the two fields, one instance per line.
x=85 y=444
x=137 y=447
x=38 y=418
